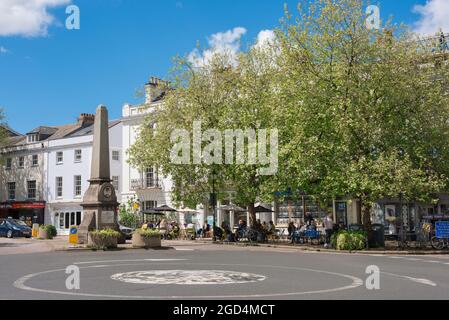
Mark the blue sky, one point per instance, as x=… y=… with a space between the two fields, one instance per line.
x=50 y=75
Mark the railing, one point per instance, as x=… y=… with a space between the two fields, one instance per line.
x=147 y=183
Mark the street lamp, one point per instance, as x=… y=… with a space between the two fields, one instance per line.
x=213 y=202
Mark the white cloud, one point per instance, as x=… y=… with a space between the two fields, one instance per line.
x=222 y=43
x=265 y=38
x=3 y=50
x=28 y=18
x=434 y=16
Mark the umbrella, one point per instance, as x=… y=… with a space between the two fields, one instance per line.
x=165 y=208
x=152 y=212
x=262 y=209
x=188 y=210
x=232 y=207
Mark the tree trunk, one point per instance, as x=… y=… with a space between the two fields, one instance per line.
x=252 y=215
x=359 y=210
x=366 y=215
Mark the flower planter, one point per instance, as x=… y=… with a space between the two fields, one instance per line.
x=43 y=234
x=102 y=242
x=140 y=241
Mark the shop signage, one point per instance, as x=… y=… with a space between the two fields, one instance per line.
x=22 y=205
x=28 y=205
x=442 y=229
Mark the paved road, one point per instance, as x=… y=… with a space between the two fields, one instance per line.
x=221 y=272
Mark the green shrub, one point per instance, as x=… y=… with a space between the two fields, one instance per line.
x=50 y=229
x=106 y=233
x=148 y=233
x=349 y=240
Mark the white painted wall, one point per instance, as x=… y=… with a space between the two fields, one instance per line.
x=69 y=168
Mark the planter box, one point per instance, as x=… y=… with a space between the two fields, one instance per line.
x=102 y=242
x=43 y=234
x=143 y=242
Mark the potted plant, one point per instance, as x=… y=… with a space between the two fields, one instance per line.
x=103 y=239
x=148 y=238
x=47 y=232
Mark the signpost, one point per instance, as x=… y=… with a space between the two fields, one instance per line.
x=73 y=237
x=442 y=229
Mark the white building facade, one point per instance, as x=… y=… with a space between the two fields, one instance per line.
x=147 y=185
x=68 y=167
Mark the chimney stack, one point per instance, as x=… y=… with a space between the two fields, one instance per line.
x=154 y=89
x=86 y=120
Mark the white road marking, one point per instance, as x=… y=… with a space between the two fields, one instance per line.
x=356 y=282
x=184 y=249
x=432 y=261
x=417 y=280
x=414 y=259
x=137 y=260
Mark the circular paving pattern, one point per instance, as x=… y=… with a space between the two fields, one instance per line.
x=188 y=277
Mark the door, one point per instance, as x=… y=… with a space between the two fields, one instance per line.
x=341 y=213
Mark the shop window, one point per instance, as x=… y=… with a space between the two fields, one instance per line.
x=148 y=205
x=67 y=220
x=61 y=221
x=72 y=218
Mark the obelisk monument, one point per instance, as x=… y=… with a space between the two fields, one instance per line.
x=100 y=201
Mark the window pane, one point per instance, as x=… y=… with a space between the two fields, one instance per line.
x=67 y=220
x=78 y=218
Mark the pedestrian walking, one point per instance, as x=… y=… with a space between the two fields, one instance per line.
x=328 y=225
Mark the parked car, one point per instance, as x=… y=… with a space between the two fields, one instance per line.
x=128 y=232
x=12 y=228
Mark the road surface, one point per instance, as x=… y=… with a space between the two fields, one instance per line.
x=221 y=272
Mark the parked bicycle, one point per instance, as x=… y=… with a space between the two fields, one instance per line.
x=440 y=243
x=247 y=234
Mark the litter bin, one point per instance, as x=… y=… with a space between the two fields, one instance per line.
x=377 y=237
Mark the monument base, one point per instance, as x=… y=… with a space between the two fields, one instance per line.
x=90 y=223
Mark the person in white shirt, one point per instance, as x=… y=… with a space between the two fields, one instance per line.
x=328 y=225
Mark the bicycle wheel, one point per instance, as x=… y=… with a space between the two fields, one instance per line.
x=252 y=236
x=437 y=244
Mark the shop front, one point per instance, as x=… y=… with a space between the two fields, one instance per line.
x=28 y=212
x=65 y=217
x=298 y=210
x=396 y=215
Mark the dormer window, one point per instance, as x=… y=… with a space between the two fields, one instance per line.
x=33 y=138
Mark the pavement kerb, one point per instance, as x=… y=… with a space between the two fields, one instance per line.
x=59 y=247
x=323 y=250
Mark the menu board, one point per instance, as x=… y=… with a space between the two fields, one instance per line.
x=442 y=229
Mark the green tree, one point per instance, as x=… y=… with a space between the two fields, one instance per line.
x=364 y=112
x=227 y=93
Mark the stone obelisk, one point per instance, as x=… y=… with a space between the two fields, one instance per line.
x=100 y=201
